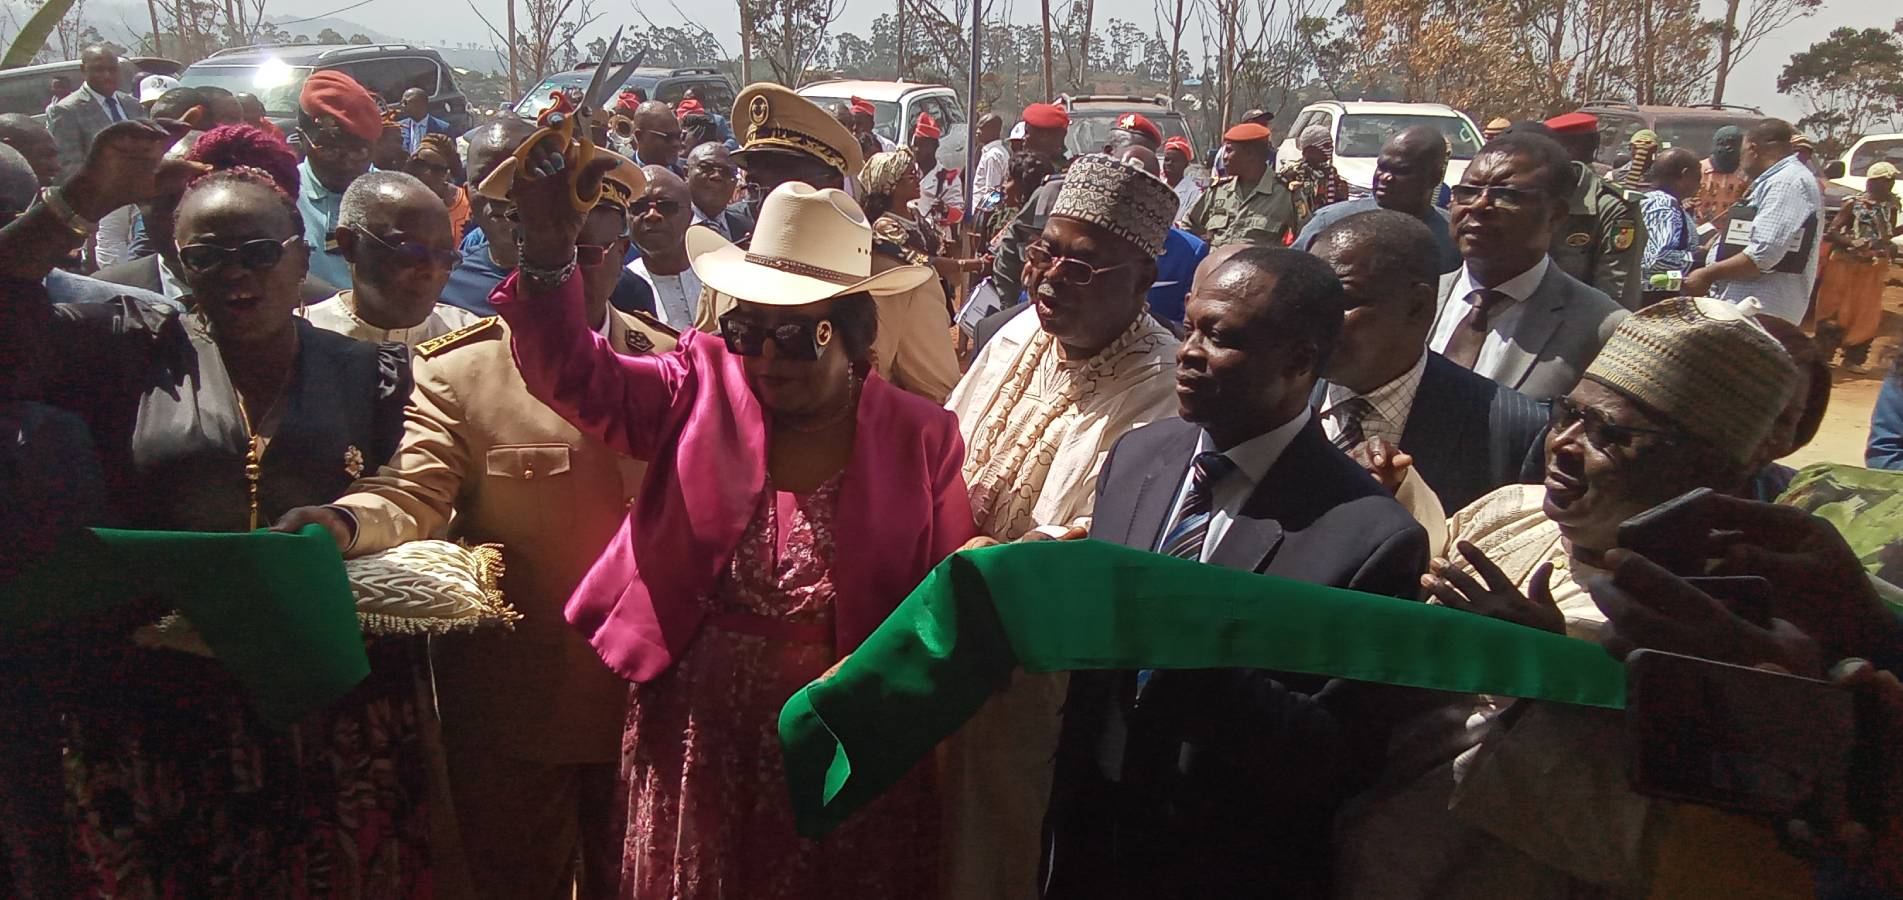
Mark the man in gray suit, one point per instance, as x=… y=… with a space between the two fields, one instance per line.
x=77 y=117
x=1509 y=313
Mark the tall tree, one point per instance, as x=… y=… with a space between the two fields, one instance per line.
x=1851 y=83
x=1737 y=41
x=791 y=33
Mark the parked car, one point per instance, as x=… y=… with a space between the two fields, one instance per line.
x=896 y=106
x=714 y=91
x=276 y=73
x=1092 y=116
x=1852 y=170
x=1690 y=127
x=29 y=89
x=1361 y=128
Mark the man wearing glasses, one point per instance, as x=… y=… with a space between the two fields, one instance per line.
x=657 y=137
x=658 y=221
x=713 y=181
x=1509 y=313
x=394 y=232
x=531 y=719
x=1058 y=384
x=339 y=124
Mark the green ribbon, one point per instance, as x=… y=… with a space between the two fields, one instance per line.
x=1051 y=606
x=275 y=608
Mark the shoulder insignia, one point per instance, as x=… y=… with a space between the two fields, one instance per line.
x=638 y=342
x=1623 y=237
x=437 y=345
x=900 y=252
x=1579 y=239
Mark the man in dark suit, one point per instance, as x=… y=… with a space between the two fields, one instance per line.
x=78 y=117
x=1222 y=783
x=1510 y=313
x=417 y=122
x=1464 y=433
x=711 y=180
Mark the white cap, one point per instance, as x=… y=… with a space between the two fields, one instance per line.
x=151 y=87
x=1017 y=132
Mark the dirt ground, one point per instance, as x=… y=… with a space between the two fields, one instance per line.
x=1847 y=424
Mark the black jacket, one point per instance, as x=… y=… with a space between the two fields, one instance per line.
x=1229 y=778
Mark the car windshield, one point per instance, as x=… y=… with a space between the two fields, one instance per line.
x=1872 y=152
x=885 y=113
x=275 y=82
x=1363 y=134
x=1090 y=128
x=542 y=97
x=1693 y=134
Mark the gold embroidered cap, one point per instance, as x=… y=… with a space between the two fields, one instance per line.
x=1705 y=366
x=1121 y=199
x=770 y=117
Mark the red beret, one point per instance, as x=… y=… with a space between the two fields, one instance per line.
x=1247 y=131
x=1574 y=123
x=862 y=105
x=1045 y=115
x=1136 y=123
x=926 y=128
x=328 y=92
x=1181 y=144
x=688 y=107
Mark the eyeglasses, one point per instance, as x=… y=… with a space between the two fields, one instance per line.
x=1065 y=268
x=640 y=207
x=1600 y=433
x=1503 y=196
x=801 y=339
x=589 y=256
x=262 y=253
x=412 y=254
x=672 y=137
x=344 y=150
x=717 y=171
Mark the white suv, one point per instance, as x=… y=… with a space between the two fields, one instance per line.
x=1361 y=128
x=897 y=105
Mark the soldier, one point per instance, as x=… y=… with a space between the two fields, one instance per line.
x=1249 y=205
x=531 y=719
x=784 y=137
x=1602 y=241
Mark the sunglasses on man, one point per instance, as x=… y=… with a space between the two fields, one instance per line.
x=262 y=253
x=411 y=254
x=803 y=339
x=1502 y=196
x=344 y=149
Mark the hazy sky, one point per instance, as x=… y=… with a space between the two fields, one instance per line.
x=1754 y=81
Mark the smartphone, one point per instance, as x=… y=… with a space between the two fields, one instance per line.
x=1733 y=737
x=1671 y=534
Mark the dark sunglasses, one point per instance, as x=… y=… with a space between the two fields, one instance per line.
x=716 y=170
x=801 y=339
x=1065 y=268
x=672 y=137
x=1502 y=195
x=347 y=151
x=640 y=207
x=262 y=253
x=589 y=256
x=412 y=254
x=1600 y=433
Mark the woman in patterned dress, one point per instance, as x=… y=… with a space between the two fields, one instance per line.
x=793 y=499
x=1850 y=282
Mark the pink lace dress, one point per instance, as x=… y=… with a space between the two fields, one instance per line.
x=708 y=810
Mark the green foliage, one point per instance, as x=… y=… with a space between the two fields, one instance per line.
x=1851 y=82
x=34 y=33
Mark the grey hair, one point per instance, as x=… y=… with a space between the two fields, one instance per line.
x=18 y=185
x=372 y=188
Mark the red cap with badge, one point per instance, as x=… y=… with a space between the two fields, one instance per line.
x=926 y=128
x=1181 y=145
x=330 y=93
x=1045 y=115
x=1136 y=123
x=861 y=105
x=1574 y=123
x=1247 y=131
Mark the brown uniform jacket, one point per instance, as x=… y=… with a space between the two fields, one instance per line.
x=514 y=473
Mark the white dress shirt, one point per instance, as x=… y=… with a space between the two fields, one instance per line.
x=1500 y=325
x=675 y=296
x=1252 y=458
x=108 y=103
x=719 y=225
x=993 y=164
x=1391 y=403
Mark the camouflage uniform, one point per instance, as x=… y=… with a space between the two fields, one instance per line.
x=1603 y=238
x=1266 y=214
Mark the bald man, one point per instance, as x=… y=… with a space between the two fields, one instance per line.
x=657 y=136
x=489 y=250
x=658 y=221
x=34 y=142
x=712 y=178
x=417 y=121
x=393 y=230
x=1407 y=174
x=82 y=114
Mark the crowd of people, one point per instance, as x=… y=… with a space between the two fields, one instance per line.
x=724 y=418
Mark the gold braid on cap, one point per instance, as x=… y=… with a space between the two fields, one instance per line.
x=762 y=136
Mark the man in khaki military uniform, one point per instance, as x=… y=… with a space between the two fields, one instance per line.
x=1602 y=241
x=784 y=137
x=531 y=718
x=1250 y=205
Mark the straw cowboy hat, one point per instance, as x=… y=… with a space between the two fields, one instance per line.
x=811 y=244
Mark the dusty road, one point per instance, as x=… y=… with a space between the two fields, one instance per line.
x=1847 y=424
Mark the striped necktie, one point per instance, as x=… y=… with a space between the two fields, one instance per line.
x=1185 y=541
x=1352 y=414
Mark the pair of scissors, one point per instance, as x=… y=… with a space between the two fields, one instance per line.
x=572 y=121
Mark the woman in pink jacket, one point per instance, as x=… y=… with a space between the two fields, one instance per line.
x=792 y=500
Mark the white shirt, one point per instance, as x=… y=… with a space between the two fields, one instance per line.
x=337 y=314
x=1187 y=193
x=993 y=165
x=719 y=226
x=1253 y=458
x=172 y=286
x=951 y=193
x=114 y=236
x=1391 y=404
x=108 y=104
x=1501 y=324
x=1787 y=198
x=675 y=296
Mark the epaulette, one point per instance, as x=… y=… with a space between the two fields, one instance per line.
x=900 y=252
x=437 y=345
x=650 y=321
x=1225 y=179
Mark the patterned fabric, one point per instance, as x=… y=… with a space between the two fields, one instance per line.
x=339 y=314
x=1871 y=219
x=1313 y=186
x=1671 y=237
x=1386 y=413
x=883 y=171
x=1787 y=199
x=1123 y=200
x=1702 y=365
x=708 y=815
x=1717 y=192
